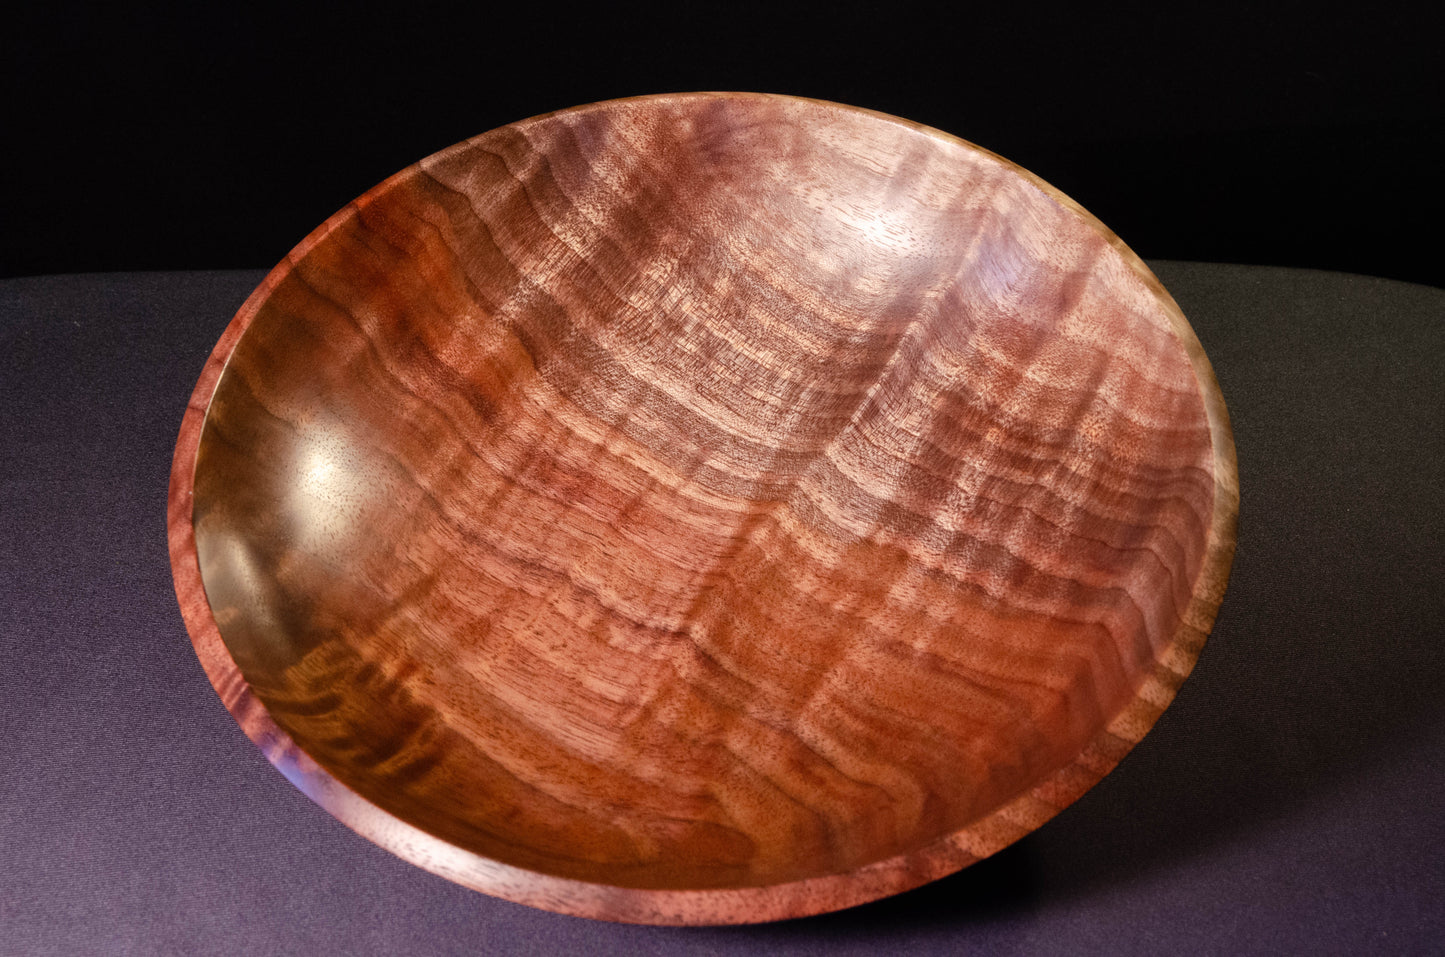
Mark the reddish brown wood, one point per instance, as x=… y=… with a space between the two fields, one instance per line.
x=703 y=508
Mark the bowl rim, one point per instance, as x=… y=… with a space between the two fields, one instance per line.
x=947 y=854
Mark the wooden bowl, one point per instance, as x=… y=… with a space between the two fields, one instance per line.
x=703 y=508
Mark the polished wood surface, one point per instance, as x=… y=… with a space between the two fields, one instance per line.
x=703 y=508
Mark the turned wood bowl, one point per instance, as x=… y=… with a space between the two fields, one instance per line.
x=703 y=508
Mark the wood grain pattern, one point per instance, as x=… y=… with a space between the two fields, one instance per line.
x=703 y=508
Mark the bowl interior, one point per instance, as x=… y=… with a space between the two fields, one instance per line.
x=703 y=492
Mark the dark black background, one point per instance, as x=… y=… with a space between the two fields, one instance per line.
x=1285 y=133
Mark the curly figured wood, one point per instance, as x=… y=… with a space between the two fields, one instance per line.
x=703 y=508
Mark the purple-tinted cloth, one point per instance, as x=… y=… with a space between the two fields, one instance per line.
x=1289 y=802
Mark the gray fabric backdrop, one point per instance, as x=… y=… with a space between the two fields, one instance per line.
x=1289 y=801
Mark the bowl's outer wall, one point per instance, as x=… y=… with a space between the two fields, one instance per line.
x=270 y=622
